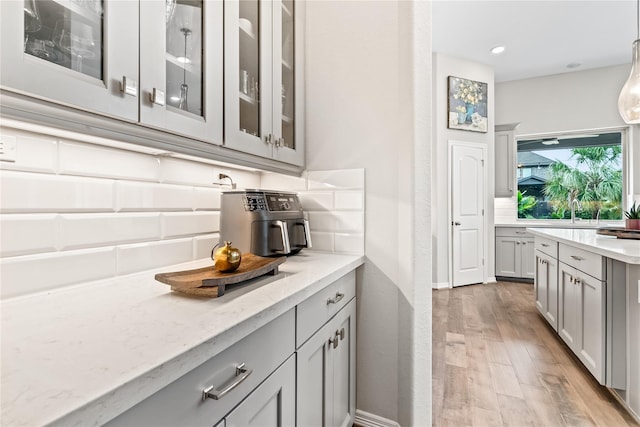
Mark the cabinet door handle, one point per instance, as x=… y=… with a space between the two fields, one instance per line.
x=577 y=281
x=157 y=97
x=521 y=232
x=544 y=245
x=571 y=279
x=334 y=341
x=577 y=258
x=336 y=299
x=211 y=392
x=517 y=243
x=129 y=86
x=524 y=243
x=341 y=333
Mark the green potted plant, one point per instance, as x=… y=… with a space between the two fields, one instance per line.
x=633 y=217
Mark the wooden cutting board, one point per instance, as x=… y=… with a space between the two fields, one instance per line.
x=210 y=282
x=619 y=232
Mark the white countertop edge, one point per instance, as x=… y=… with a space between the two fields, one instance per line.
x=585 y=225
x=625 y=250
x=127 y=390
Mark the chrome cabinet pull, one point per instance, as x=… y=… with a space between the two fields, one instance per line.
x=129 y=86
x=517 y=243
x=336 y=299
x=211 y=392
x=524 y=243
x=341 y=333
x=157 y=97
x=577 y=258
x=544 y=245
x=334 y=341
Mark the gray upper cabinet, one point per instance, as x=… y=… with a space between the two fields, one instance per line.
x=57 y=50
x=263 y=78
x=505 y=152
x=85 y=54
x=181 y=40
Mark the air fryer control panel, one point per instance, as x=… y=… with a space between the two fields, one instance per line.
x=272 y=202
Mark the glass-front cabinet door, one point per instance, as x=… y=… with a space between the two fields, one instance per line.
x=288 y=106
x=181 y=67
x=262 y=64
x=57 y=50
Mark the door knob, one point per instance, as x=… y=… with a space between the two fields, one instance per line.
x=455 y=223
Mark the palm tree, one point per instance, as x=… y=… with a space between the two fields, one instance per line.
x=596 y=182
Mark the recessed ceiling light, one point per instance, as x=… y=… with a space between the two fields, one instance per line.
x=573 y=65
x=497 y=50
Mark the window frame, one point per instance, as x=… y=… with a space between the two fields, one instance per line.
x=625 y=136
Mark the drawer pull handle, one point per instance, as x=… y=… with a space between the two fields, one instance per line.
x=521 y=232
x=577 y=258
x=211 y=392
x=335 y=299
x=544 y=245
x=341 y=333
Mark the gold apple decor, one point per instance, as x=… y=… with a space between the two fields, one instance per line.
x=227 y=258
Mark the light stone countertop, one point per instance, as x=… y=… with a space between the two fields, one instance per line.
x=625 y=250
x=530 y=223
x=82 y=355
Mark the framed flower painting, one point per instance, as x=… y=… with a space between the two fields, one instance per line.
x=467 y=109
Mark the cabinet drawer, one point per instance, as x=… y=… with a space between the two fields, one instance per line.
x=585 y=261
x=315 y=311
x=512 y=232
x=548 y=246
x=181 y=403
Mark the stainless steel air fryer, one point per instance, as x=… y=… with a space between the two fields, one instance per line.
x=264 y=223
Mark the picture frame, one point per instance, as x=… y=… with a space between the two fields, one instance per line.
x=467 y=104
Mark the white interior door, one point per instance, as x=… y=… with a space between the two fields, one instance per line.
x=467 y=213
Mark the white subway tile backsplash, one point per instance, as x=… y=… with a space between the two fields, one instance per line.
x=349 y=222
x=203 y=245
x=178 y=171
x=336 y=179
x=32 y=273
x=137 y=196
x=349 y=200
x=349 y=243
x=145 y=256
x=94 y=230
x=206 y=198
x=22 y=234
x=34 y=152
x=92 y=160
x=34 y=192
x=317 y=201
x=322 y=241
x=322 y=221
x=189 y=223
x=275 y=181
x=73 y=210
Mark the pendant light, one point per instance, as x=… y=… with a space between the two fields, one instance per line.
x=629 y=100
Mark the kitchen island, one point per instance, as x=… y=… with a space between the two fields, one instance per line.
x=82 y=355
x=587 y=287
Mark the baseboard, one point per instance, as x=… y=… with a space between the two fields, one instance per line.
x=365 y=419
x=491 y=280
x=440 y=285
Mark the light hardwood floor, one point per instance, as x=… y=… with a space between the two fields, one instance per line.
x=497 y=363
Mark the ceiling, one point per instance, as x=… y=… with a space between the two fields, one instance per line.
x=541 y=37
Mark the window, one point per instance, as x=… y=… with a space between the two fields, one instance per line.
x=555 y=170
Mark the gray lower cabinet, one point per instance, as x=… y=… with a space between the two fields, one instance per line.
x=232 y=376
x=298 y=369
x=582 y=307
x=326 y=373
x=514 y=253
x=546 y=287
x=271 y=404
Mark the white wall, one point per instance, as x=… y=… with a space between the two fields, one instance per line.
x=443 y=67
x=567 y=102
x=365 y=109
